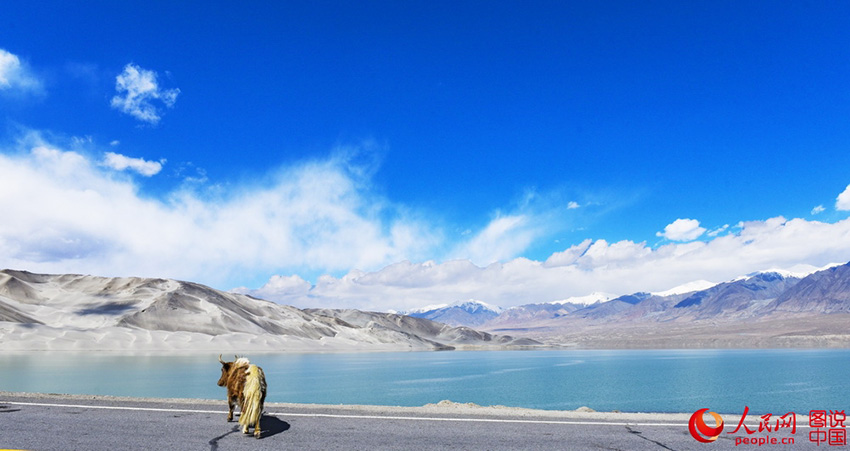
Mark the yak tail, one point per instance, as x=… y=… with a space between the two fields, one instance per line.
x=254 y=395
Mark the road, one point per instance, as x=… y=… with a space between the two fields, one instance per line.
x=54 y=422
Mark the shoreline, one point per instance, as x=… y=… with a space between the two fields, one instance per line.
x=400 y=349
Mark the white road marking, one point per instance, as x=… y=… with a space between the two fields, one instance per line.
x=81 y=406
x=362 y=417
x=485 y=420
x=371 y=417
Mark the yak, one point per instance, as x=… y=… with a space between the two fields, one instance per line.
x=246 y=385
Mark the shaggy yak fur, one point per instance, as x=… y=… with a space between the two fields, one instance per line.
x=246 y=385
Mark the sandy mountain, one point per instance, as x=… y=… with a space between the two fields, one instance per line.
x=420 y=327
x=40 y=311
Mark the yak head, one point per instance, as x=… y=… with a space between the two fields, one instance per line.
x=225 y=370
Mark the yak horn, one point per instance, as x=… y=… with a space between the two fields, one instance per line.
x=219 y=359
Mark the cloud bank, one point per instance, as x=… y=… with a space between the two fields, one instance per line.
x=622 y=267
x=66 y=211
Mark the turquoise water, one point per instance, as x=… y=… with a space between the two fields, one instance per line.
x=768 y=381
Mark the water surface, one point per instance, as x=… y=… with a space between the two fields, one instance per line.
x=768 y=381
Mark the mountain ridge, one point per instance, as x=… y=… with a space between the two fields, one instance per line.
x=744 y=296
x=764 y=309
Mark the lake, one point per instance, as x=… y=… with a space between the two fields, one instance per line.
x=768 y=381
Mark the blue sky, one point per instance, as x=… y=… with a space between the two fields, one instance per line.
x=338 y=153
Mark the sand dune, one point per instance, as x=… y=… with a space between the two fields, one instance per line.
x=76 y=313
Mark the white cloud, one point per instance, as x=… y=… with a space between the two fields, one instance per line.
x=842 y=203
x=139 y=92
x=284 y=289
x=569 y=256
x=510 y=233
x=682 y=230
x=15 y=75
x=64 y=212
x=818 y=210
x=718 y=231
x=120 y=163
x=503 y=238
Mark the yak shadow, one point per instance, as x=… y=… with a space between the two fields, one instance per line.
x=272 y=426
x=214 y=442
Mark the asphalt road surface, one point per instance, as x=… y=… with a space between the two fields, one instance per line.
x=55 y=422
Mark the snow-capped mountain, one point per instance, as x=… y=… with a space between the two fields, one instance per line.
x=591 y=298
x=696 y=285
x=462 y=313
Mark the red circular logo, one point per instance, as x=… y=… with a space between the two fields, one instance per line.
x=703 y=432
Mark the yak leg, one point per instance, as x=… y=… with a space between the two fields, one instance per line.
x=229 y=409
x=257 y=429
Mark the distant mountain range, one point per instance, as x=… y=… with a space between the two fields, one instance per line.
x=76 y=312
x=474 y=313
x=772 y=308
x=470 y=313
